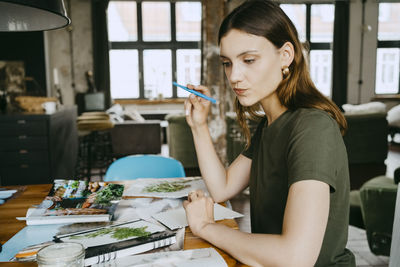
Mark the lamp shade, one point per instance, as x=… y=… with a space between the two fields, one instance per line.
x=32 y=15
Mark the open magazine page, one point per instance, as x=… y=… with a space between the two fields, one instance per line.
x=121 y=240
x=113 y=233
x=77 y=201
x=164 y=187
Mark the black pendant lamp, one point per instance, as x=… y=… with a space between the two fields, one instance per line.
x=32 y=15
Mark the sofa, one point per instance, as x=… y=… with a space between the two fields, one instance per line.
x=366 y=142
x=180 y=143
x=378 y=200
x=181 y=146
x=136 y=137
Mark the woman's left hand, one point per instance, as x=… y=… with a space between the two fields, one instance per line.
x=199 y=211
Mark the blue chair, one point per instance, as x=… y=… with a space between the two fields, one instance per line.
x=144 y=166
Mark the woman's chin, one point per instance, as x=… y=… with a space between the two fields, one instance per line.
x=245 y=102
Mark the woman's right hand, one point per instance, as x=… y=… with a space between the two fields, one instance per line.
x=197 y=108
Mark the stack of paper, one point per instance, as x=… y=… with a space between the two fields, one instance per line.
x=176 y=218
x=169 y=211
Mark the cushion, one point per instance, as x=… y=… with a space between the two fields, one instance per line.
x=393 y=116
x=367 y=108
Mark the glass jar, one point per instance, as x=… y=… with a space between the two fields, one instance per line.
x=66 y=254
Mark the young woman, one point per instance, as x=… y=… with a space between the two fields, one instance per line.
x=296 y=161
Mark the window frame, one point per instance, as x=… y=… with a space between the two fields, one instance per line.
x=314 y=45
x=141 y=45
x=386 y=44
x=339 y=45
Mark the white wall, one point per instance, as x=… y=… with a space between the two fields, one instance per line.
x=366 y=71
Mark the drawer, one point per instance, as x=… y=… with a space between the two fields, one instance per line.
x=25 y=174
x=24 y=156
x=23 y=127
x=13 y=143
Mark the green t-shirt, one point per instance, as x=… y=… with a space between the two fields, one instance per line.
x=300 y=145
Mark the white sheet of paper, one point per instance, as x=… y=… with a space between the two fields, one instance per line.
x=186 y=258
x=176 y=218
x=145 y=208
x=137 y=188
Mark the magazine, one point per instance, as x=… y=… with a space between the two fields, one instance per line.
x=115 y=241
x=73 y=201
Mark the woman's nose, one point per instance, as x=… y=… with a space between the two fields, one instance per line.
x=236 y=75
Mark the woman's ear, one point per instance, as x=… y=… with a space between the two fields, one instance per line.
x=286 y=54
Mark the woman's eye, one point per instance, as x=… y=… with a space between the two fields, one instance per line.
x=249 y=60
x=226 y=63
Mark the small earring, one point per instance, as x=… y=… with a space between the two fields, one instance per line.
x=285 y=71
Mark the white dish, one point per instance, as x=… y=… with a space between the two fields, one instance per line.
x=6 y=193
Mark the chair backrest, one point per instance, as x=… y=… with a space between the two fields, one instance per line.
x=144 y=166
x=394 y=260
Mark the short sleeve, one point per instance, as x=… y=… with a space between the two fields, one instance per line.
x=314 y=146
x=255 y=140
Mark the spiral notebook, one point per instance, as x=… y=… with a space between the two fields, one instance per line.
x=115 y=241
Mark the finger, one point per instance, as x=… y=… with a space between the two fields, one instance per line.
x=192 y=195
x=195 y=101
x=185 y=203
x=200 y=193
x=202 y=89
x=188 y=107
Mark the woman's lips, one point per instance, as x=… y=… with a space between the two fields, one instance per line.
x=239 y=91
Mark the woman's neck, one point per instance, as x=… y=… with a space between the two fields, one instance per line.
x=272 y=107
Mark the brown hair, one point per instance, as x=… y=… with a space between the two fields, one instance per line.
x=265 y=18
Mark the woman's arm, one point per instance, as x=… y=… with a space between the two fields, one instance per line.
x=221 y=183
x=305 y=220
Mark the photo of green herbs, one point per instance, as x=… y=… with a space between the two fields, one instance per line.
x=118 y=233
x=166 y=187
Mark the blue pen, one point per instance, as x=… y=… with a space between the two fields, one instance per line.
x=212 y=100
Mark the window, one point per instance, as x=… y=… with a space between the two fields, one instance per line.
x=153 y=43
x=314 y=24
x=388 y=52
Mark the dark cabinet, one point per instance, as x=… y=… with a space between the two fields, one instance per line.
x=38 y=148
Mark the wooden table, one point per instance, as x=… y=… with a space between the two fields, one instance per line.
x=34 y=194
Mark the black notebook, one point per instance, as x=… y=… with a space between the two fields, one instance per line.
x=115 y=241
